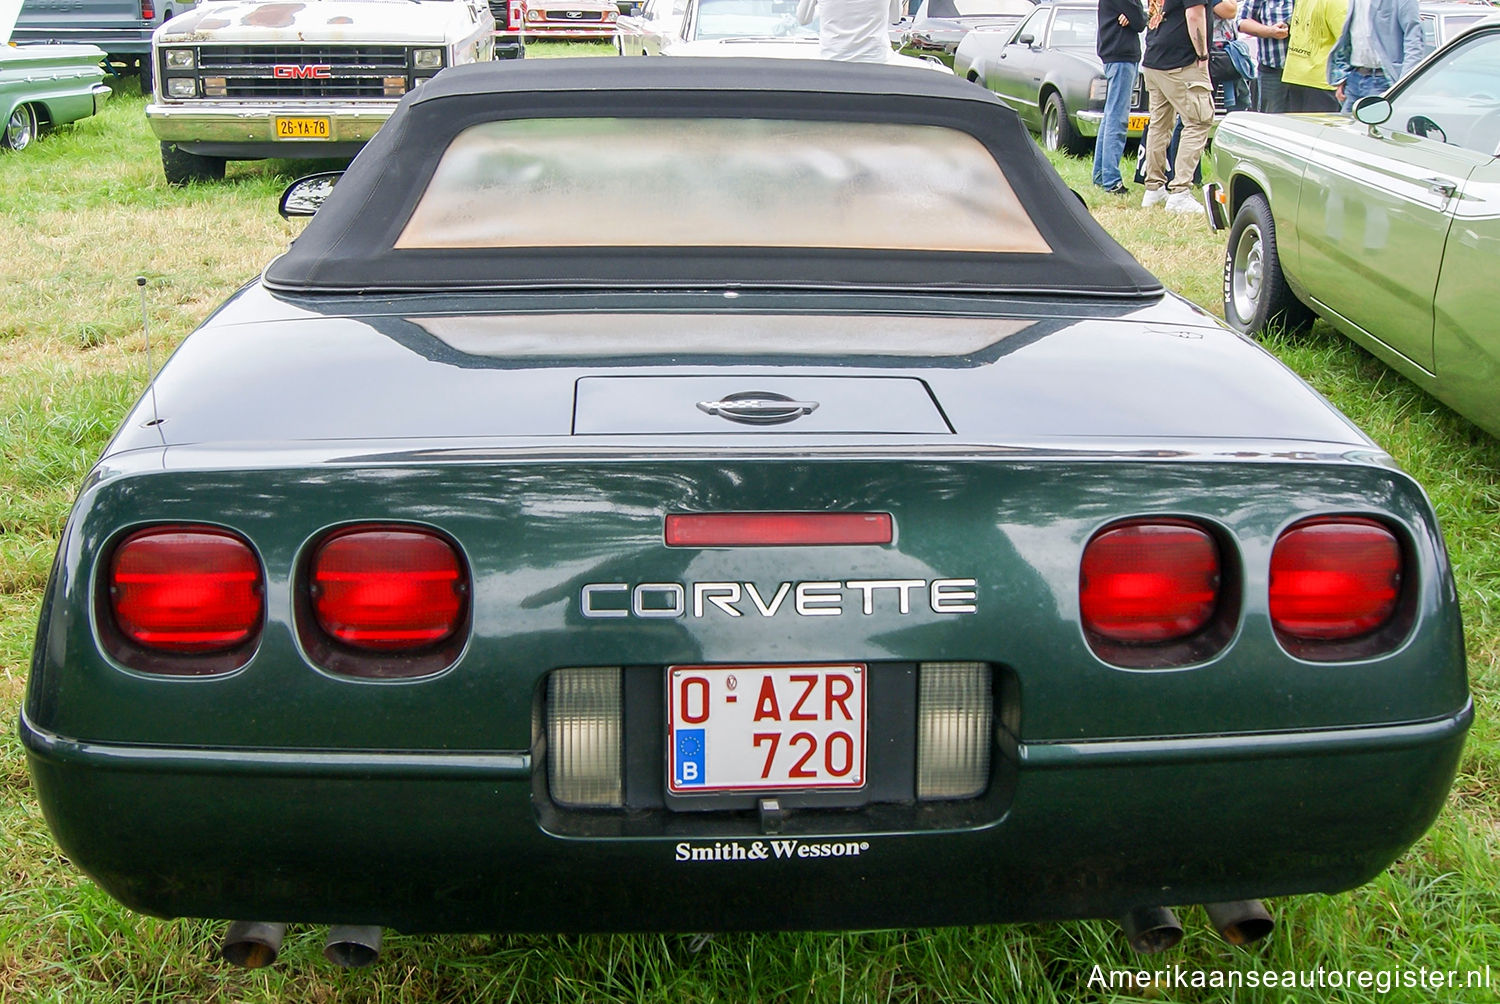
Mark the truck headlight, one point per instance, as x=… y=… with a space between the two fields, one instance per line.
x=182 y=87
x=427 y=59
x=181 y=59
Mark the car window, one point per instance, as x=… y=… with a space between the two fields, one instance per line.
x=750 y=19
x=738 y=182
x=1457 y=99
x=1034 y=24
x=1075 y=28
x=983 y=8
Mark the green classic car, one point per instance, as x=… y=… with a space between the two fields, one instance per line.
x=47 y=85
x=794 y=559
x=1386 y=224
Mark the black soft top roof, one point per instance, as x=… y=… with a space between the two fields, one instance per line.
x=349 y=245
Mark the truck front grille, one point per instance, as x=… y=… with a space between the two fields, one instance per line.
x=303 y=71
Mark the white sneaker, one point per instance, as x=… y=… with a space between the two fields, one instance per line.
x=1154 y=197
x=1183 y=202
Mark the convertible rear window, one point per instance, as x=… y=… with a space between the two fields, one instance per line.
x=685 y=182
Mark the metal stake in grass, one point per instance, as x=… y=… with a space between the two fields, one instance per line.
x=140 y=282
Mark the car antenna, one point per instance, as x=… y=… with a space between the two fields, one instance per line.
x=140 y=282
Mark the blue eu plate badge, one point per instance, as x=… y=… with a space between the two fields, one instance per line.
x=688 y=765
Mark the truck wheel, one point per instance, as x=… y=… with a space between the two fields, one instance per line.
x=147 y=76
x=1057 y=129
x=20 y=129
x=182 y=167
x=1256 y=294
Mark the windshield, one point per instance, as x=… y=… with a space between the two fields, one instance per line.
x=750 y=19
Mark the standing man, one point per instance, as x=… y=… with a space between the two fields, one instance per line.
x=1176 y=69
x=1315 y=26
x=855 y=30
x=1120 y=25
x=1381 y=41
x=1270 y=22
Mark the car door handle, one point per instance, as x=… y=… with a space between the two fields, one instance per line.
x=1441 y=186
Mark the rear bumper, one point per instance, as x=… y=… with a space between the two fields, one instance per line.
x=235 y=129
x=597 y=32
x=1079 y=829
x=114 y=41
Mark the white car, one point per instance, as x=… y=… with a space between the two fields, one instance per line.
x=649 y=27
x=759 y=28
x=249 y=80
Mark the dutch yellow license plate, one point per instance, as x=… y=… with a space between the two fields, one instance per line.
x=1138 y=122
x=302 y=128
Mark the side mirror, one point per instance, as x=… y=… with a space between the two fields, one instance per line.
x=1372 y=109
x=1027 y=39
x=303 y=196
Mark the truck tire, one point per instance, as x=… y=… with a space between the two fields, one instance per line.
x=147 y=76
x=1057 y=128
x=182 y=168
x=1256 y=294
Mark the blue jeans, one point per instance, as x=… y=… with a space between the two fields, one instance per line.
x=1358 y=85
x=1109 y=147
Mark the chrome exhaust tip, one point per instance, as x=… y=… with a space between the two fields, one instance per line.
x=252 y=944
x=1240 y=922
x=352 y=946
x=1151 y=929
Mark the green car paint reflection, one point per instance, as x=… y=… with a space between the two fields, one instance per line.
x=1387 y=224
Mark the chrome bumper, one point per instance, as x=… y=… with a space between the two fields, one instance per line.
x=1215 y=206
x=1087 y=124
x=241 y=124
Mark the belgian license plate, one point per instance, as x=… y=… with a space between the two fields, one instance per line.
x=752 y=728
x=302 y=128
x=1137 y=122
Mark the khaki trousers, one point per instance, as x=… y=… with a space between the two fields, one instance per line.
x=1186 y=93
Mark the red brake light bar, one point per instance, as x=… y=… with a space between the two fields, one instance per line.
x=778 y=529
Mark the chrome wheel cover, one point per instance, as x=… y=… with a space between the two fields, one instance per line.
x=1247 y=273
x=19 y=130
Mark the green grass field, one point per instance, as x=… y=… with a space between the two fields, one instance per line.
x=86 y=211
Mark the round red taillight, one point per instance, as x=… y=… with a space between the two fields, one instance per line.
x=1144 y=582
x=388 y=588
x=190 y=590
x=1334 y=578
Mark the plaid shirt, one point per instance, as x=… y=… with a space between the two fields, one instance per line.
x=1268 y=12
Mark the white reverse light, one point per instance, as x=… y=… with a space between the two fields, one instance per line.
x=583 y=737
x=955 y=715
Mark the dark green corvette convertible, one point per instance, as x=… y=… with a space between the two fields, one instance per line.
x=856 y=537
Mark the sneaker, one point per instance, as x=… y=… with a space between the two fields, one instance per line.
x=1118 y=188
x=1154 y=197
x=1183 y=202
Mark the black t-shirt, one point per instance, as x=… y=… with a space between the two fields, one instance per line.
x=1168 y=45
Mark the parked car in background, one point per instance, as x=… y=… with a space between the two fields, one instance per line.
x=1385 y=224
x=250 y=80
x=860 y=539
x=577 y=20
x=935 y=31
x=650 y=26
x=122 y=28
x=1442 y=21
x=765 y=29
x=47 y=86
x=1047 y=69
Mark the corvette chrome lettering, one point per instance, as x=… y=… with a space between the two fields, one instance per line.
x=808 y=599
x=767 y=850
